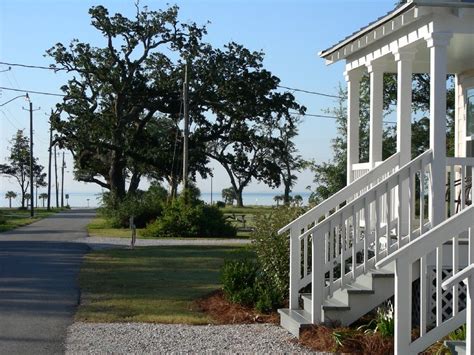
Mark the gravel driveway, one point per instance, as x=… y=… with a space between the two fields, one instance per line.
x=142 y=338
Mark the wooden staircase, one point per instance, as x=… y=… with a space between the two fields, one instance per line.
x=371 y=240
x=346 y=305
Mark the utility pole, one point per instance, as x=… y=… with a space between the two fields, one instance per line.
x=49 y=162
x=62 y=182
x=32 y=210
x=186 y=128
x=56 y=177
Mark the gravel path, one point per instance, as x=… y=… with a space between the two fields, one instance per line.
x=97 y=243
x=141 y=338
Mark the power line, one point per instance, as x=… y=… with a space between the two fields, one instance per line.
x=333 y=117
x=32 y=66
x=310 y=92
x=32 y=92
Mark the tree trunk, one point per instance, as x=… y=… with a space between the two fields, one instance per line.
x=10 y=202
x=134 y=183
x=116 y=176
x=238 y=197
x=286 y=196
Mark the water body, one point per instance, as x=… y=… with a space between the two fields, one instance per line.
x=89 y=199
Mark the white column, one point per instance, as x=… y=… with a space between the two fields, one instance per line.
x=404 y=58
x=353 y=110
x=437 y=44
x=376 y=112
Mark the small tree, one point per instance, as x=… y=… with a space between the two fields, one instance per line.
x=43 y=196
x=278 y=199
x=19 y=167
x=228 y=195
x=26 y=198
x=10 y=195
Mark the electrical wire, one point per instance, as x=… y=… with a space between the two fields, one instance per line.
x=32 y=66
x=310 y=92
x=280 y=86
x=32 y=92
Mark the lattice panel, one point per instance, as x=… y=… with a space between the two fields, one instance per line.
x=447 y=300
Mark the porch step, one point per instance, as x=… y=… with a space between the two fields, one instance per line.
x=346 y=305
x=457 y=347
x=294 y=320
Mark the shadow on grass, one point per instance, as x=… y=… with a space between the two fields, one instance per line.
x=152 y=284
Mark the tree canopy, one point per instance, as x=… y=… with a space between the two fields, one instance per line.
x=19 y=165
x=121 y=116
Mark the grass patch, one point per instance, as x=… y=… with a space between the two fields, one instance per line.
x=100 y=227
x=12 y=218
x=151 y=284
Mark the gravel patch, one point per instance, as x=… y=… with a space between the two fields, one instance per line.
x=97 y=243
x=143 y=338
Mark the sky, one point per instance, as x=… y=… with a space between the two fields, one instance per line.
x=290 y=33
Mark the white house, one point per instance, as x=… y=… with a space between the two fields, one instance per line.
x=401 y=227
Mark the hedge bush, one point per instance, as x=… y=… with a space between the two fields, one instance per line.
x=273 y=250
x=188 y=216
x=245 y=284
x=144 y=206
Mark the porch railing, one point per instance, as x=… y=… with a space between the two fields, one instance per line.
x=438 y=247
x=459 y=174
x=301 y=241
x=342 y=248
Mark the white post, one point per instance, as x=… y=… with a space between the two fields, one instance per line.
x=437 y=44
x=376 y=112
x=404 y=58
x=318 y=279
x=353 y=110
x=469 y=296
x=402 y=307
x=295 y=267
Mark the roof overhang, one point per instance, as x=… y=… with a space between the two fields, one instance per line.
x=396 y=19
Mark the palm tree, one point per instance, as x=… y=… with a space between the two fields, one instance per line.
x=10 y=195
x=43 y=196
x=278 y=199
x=27 y=198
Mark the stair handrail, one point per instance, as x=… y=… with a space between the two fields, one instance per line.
x=419 y=249
x=424 y=156
x=436 y=236
x=348 y=192
x=324 y=263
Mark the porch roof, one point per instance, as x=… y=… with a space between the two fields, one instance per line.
x=356 y=41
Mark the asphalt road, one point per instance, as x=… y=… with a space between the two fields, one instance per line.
x=39 y=292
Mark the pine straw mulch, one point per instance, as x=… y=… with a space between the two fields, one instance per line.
x=224 y=312
x=321 y=338
x=318 y=338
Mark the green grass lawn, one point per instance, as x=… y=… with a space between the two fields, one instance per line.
x=151 y=284
x=100 y=227
x=12 y=218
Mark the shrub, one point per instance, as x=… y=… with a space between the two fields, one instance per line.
x=220 y=204
x=144 y=206
x=190 y=217
x=273 y=250
x=244 y=283
x=238 y=280
x=383 y=323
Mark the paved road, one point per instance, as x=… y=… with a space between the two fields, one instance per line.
x=38 y=282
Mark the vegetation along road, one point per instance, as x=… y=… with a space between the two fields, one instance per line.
x=39 y=265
